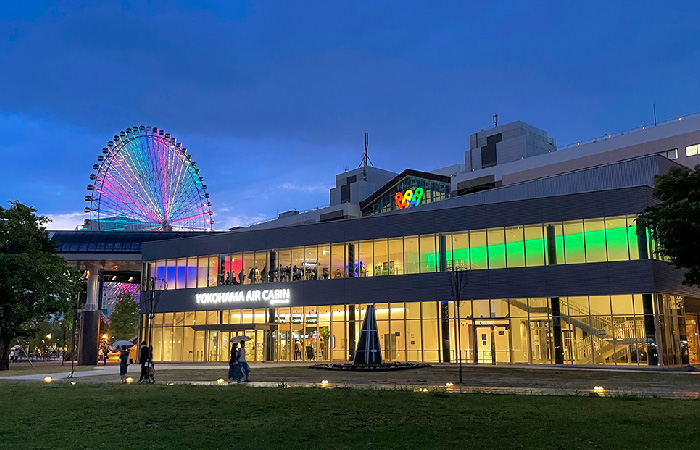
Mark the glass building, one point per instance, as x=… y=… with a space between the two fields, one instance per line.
x=569 y=279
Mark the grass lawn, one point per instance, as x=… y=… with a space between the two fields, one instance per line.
x=90 y=415
x=441 y=374
x=26 y=369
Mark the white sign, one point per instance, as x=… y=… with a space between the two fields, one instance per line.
x=274 y=296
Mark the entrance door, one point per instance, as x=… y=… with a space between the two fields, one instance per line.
x=485 y=344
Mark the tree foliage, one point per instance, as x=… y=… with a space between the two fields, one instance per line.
x=675 y=220
x=34 y=281
x=123 y=323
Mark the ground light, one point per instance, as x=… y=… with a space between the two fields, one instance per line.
x=220 y=381
x=72 y=383
x=599 y=390
x=324 y=383
x=129 y=380
x=48 y=379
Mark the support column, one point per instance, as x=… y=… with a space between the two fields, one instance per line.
x=444 y=305
x=90 y=322
x=556 y=305
x=270 y=347
x=351 y=332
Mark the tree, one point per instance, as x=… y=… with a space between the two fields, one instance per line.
x=674 y=220
x=123 y=323
x=34 y=281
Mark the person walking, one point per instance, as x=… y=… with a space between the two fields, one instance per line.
x=233 y=367
x=144 y=359
x=244 y=367
x=123 y=362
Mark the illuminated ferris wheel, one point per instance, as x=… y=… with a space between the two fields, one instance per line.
x=145 y=180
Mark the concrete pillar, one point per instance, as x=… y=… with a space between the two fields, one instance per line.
x=90 y=321
x=556 y=307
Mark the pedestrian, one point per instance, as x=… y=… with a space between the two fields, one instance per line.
x=244 y=367
x=144 y=359
x=12 y=355
x=233 y=367
x=105 y=354
x=123 y=362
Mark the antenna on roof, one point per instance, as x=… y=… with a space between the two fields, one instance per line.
x=365 y=160
x=495 y=120
x=654 y=114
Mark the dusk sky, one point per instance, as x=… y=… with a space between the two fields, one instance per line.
x=272 y=99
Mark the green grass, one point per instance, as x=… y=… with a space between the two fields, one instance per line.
x=37 y=415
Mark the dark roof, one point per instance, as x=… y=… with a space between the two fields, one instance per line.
x=408 y=172
x=112 y=241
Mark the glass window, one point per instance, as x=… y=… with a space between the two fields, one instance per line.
x=577 y=306
x=555 y=228
x=672 y=154
x=460 y=250
x=595 y=240
x=338 y=260
x=351 y=249
x=411 y=254
x=448 y=249
x=477 y=249
x=170 y=272
x=412 y=310
x=324 y=261
x=616 y=238
x=573 y=242
x=181 y=279
x=261 y=269
x=692 y=150
x=236 y=268
x=203 y=271
x=213 y=271
x=481 y=309
x=364 y=256
x=428 y=255
x=274 y=272
x=160 y=275
x=381 y=257
x=396 y=256
x=622 y=304
x=497 y=249
x=600 y=305
x=285 y=256
x=499 y=308
x=515 y=247
x=534 y=246
x=381 y=311
x=632 y=237
x=311 y=262
x=298 y=263
x=248 y=267
x=518 y=307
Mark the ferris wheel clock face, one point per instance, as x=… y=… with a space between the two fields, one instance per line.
x=145 y=180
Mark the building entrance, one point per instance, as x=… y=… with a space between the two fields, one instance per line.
x=492 y=342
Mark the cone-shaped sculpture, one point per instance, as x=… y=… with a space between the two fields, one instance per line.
x=369 y=351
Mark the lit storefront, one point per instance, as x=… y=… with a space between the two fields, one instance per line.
x=566 y=280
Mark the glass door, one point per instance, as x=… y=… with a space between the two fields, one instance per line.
x=485 y=344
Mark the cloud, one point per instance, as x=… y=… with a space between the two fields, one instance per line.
x=309 y=188
x=67 y=221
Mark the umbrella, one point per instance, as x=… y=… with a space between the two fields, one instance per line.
x=240 y=339
x=17 y=346
x=124 y=342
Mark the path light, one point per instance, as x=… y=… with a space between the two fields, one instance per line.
x=129 y=380
x=599 y=390
x=72 y=383
x=324 y=383
x=449 y=384
x=171 y=384
x=48 y=379
x=220 y=381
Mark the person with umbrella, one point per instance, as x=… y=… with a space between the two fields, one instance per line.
x=233 y=367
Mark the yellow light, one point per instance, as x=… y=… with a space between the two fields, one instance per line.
x=171 y=384
x=220 y=381
x=48 y=336
x=47 y=379
x=449 y=384
x=129 y=380
x=324 y=383
x=104 y=336
x=72 y=383
x=598 y=389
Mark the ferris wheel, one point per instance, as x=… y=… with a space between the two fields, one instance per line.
x=145 y=180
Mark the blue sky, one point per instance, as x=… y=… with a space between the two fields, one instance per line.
x=272 y=98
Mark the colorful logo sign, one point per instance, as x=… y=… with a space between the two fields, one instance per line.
x=409 y=198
